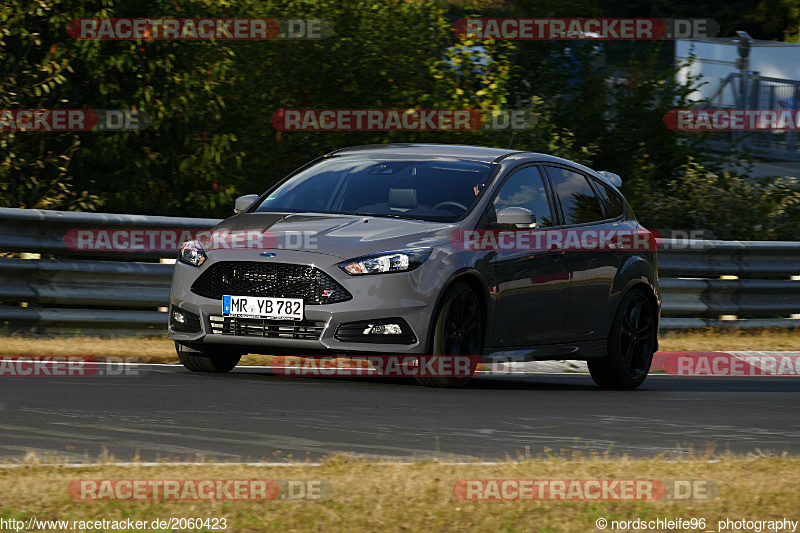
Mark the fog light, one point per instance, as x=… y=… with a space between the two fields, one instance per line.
x=389 y=330
x=178 y=317
x=383 y=329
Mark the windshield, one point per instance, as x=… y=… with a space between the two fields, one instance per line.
x=439 y=190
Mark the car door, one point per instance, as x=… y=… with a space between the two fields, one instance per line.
x=531 y=286
x=591 y=269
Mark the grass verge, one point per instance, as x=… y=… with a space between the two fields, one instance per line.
x=161 y=350
x=369 y=496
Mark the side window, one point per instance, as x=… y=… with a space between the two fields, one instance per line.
x=578 y=200
x=612 y=204
x=525 y=188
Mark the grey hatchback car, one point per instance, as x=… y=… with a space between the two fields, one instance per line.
x=423 y=249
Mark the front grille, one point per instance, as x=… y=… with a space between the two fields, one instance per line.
x=268 y=329
x=278 y=280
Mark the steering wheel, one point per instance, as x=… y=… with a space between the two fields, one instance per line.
x=449 y=202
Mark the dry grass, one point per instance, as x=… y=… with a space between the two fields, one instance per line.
x=370 y=496
x=151 y=350
x=157 y=350
x=161 y=350
x=731 y=340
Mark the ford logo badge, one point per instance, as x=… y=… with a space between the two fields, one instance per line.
x=267 y=254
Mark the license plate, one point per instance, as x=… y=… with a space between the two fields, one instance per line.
x=258 y=307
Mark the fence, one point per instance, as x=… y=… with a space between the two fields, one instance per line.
x=701 y=281
x=762 y=93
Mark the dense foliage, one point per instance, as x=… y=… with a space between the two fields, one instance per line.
x=211 y=103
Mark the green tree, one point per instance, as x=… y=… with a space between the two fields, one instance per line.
x=34 y=166
x=730 y=206
x=174 y=163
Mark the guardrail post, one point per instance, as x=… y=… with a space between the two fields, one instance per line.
x=729 y=317
x=166 y=261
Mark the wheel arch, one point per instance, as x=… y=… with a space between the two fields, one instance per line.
x=477 y=283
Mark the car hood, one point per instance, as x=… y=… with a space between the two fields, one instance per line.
x=342 y=236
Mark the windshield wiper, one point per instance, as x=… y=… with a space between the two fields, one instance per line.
x=387 y=215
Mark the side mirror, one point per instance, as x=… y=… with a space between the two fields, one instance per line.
x=516 y=216
x=243 y=202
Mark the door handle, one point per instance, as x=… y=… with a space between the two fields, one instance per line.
x=555 y=253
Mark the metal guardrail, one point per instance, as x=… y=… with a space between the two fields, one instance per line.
x=90 y=296
x=123 y=296
x=696 y=293
x=39 y=231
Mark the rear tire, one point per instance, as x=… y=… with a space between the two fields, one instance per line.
x=631 y=343
x=458 y=330
x=207 y=359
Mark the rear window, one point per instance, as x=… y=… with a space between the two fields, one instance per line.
x=612 y=203
x=578 y=201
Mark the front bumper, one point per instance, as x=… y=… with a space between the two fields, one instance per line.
x=407 y=295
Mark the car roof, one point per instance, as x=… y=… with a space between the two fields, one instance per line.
x=458 y=151
x=461 y=151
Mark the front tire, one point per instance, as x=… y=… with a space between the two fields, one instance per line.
x=458 y=330
x=631 y=343
x=207 y=359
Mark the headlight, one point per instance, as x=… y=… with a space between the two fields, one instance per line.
x=400 y=261
x=192 y=254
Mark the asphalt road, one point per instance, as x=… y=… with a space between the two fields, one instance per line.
x=250 y=414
